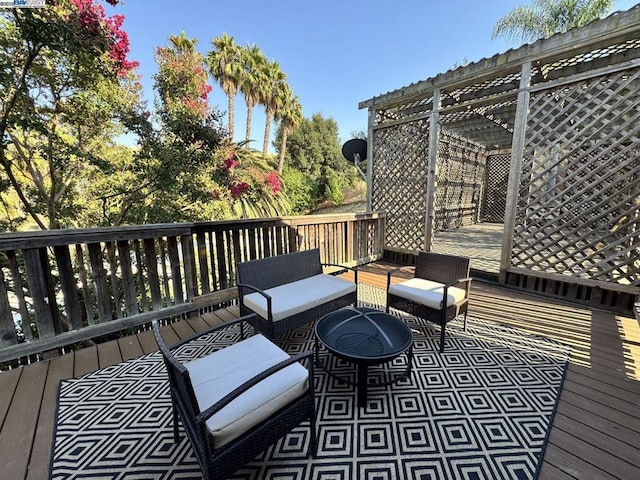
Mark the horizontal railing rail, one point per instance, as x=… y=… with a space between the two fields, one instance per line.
x=60 y=287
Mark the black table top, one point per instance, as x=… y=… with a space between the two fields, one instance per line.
x=363 y=333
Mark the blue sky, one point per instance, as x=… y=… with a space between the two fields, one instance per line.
x=336 y=53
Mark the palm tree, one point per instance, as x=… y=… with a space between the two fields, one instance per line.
x=273 y=96
x=253 y=79
x=182 y=43
x=226 y=67
x=290 y=117
x=547 y=17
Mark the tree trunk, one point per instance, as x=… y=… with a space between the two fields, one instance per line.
x=267 y=132
x=283 y=147
x=232 y=115
x=248 y=130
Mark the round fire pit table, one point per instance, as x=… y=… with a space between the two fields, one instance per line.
x=363 y=337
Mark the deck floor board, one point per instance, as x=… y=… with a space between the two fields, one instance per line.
x=59 y=369
x=20 y=425
x=595 y=434
x=130 y=347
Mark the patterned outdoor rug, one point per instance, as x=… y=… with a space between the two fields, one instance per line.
x=481 y=410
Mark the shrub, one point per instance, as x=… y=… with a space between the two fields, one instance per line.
x=301 y=190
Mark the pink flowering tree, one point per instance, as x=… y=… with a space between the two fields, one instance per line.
x=186 y=134
x=253 y=186
x=65 y=82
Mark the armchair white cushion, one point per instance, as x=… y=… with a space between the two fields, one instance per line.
x=219 y=373
x=427 y=292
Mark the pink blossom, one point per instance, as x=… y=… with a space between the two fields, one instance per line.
x=273 y=181
x=205 y=91
x=237 y=189
x=230 y=162
x=92 y=18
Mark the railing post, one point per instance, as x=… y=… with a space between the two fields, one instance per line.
x=37 y=280
x=68 y=286
x=98 y=274
x=151 y=259
x=190 y=278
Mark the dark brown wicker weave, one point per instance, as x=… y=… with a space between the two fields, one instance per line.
x=223 y=462
x=262 y=274
x=449 y=270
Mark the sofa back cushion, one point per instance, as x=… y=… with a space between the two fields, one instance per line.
x=271 y=272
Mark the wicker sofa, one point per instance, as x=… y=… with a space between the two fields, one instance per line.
x=290 y=290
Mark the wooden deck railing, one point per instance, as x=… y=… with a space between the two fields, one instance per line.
x=60 y=287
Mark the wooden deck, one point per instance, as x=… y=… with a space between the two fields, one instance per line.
x=595 y=433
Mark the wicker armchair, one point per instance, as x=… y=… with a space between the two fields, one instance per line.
x=438 y=293
x=238 y=400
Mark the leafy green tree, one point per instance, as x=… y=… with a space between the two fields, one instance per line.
x=225 y=66
x=65 y=79
x=314 y=150
x=253 y=79
x=547 y=17
x=302 y=191
x=314 y=146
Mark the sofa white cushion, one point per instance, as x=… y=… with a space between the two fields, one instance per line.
x=295 y=297
x=427 y=292
x=217 y=374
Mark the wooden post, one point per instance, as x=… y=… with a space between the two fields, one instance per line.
x=203 y=263
x=37 y=280
x=68 y=286
x=190 y=278
x=99 y=276
x=174 y=265
x=434 y=122
x=517 y=149
x=151 y=260
x=370 y=122
x=128 y=278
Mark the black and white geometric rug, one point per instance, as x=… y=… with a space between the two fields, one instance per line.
x=481 y=410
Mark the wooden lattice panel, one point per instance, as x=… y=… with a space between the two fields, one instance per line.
x=400 y=181
x=495 y=192
x=586 y=61
x=578 y=210
x=404 y=111
x=459 y=188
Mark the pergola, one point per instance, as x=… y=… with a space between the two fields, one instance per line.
x=545 y=138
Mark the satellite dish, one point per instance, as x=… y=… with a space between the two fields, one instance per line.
x=355 y=150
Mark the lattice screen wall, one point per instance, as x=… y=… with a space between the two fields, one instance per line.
x=400 y=181
x=460 y=181
x=569 y=106
x=578 y=210
x=495 y=192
